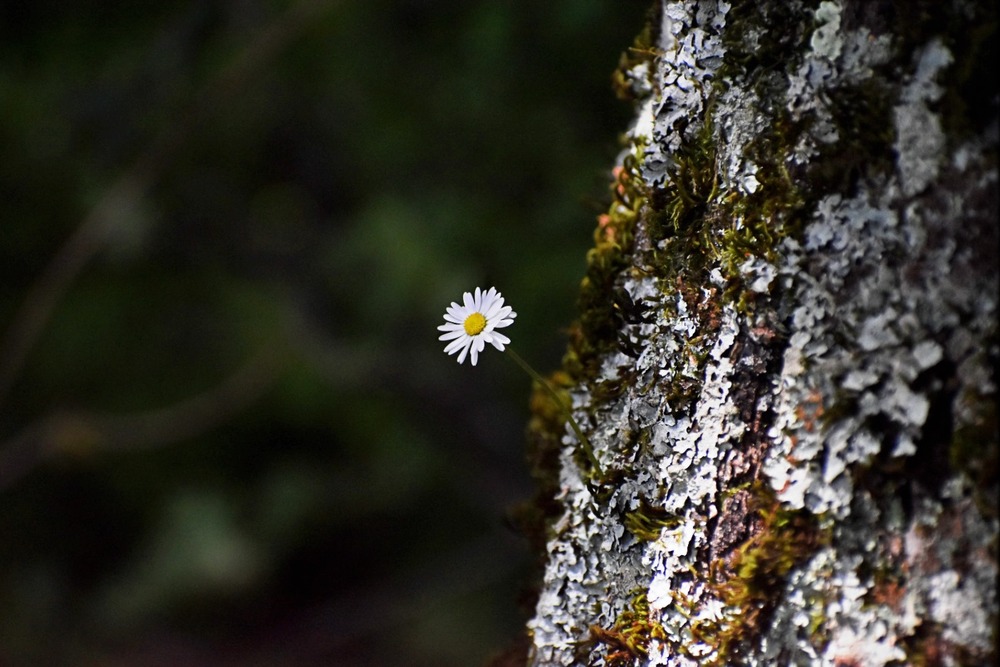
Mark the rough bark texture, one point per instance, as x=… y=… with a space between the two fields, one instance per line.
x=786 y=360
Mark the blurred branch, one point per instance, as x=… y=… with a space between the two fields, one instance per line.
x=122 y=196
x=82 y=433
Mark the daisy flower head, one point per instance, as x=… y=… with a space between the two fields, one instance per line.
x=474 y=323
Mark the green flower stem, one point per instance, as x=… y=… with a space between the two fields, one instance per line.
x=569 y=413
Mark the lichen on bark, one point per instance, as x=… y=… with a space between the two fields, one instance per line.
x=787 y=352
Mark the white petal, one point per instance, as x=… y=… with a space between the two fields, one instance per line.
x=499 y=340
x=478 y=300
x=494 y=309
x=470 y=305
x=489 y=298
x=461 y=355
x=451 y=326
x=477 y=346
x=451 y=334
x=456 y=344
x=452 y=318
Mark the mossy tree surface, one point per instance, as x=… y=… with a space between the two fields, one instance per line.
x=786 y=357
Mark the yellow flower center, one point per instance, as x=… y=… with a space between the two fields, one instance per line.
x=474 y=323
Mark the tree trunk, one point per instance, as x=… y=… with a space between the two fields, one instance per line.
x=786 y=358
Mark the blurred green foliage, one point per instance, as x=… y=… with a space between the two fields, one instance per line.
x=233 y=438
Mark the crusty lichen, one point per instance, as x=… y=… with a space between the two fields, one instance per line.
x=786 y=356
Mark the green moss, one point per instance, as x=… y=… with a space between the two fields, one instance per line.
x=623 y=79
x=628 y=638
x=681 y=220
x=600 y=316
x=750 y=581
x=648 y=521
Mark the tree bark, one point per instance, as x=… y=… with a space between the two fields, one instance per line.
x=786 y=357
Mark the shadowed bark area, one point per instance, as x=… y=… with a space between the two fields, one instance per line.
x=786 y=357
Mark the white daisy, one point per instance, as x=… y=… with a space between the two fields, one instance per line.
x=471 y=325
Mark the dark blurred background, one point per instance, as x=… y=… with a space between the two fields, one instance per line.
x=228 y=433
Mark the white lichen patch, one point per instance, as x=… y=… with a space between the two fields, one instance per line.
x=827 y=41
x=919 y=138
x=691 y=52
x=758 y=274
